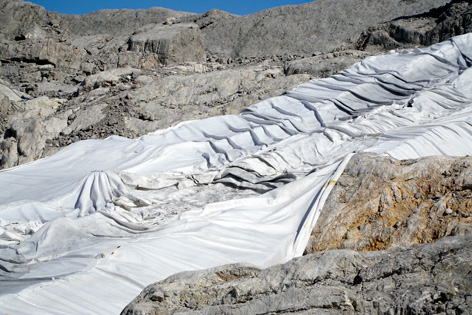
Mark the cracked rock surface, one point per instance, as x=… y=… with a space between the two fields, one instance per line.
x=379 y=202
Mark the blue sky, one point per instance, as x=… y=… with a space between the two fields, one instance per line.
x=240 y=7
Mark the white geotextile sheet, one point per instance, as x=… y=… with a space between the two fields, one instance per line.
x=84 y=230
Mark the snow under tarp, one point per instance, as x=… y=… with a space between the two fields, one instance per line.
x=85 y=230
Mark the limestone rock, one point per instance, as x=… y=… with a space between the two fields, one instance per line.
x=172 y=43
x=29 y=33
x=379 y=202
x=426 y=279
x=39 y=51
x=426 y=29
x=4 y=105
x=40 y=107
x=8 y=92
x=29 y=135
x=118 y=22
x=208 y=18
x=85 y=118
x=9 y=150
x=21 y=20
x=108 y=78
x=196 y=96
x=207 y=88
x=29 y=128
x=303 y=29
x=324 y=65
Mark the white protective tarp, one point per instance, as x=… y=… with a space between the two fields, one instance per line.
x=85 y=230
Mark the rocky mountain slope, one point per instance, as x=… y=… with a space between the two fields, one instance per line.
x=304 y=29
x=121 y=72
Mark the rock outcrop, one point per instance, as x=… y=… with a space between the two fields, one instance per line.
x=379 y=202
x=303 y=29
x=177 y=44
x=419 y=30
x=323 y=65
x=425 y=279
x=119 y=22
x=23 y=20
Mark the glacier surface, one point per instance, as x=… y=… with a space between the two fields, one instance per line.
x=85 y=230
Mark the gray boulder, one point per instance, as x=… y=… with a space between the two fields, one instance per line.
x=7 y=92
x=206 y=19
x=9 y=149
x=107 y=78
x=40 y=52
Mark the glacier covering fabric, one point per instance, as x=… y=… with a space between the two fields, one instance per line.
x=85 y=230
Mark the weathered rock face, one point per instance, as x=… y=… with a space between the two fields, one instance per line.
x=118 y=22
x=31 y=34
x=31 y=127
x=379 y=202
x=208 y=18
x=426 y=279
x=324 y=65
x=39 y=52
x=23 y=20
x=176 y=44
x=303 y=29
x=425 y=29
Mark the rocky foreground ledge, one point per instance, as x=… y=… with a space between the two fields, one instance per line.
x=414 y=217
x=423 y=279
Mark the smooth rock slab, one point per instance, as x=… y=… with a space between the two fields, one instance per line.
x=176 y=43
